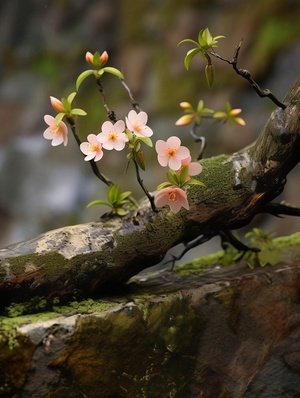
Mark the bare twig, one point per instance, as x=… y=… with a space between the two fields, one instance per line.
x=198 y=138
x=135 y=105
x=140 y=181
x=246 y=75
x=110 y=114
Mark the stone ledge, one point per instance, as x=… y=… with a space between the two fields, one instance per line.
x=227 y=333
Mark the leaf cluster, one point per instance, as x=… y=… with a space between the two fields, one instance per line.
x=119 y=202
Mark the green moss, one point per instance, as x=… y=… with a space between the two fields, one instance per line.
x=215 y=259
x=53 y=264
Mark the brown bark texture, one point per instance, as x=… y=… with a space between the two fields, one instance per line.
x=94 y=258
x=229 y=333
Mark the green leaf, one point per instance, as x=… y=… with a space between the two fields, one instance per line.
x=183 y=175
x=129 y=134
x=204 y=37
x=113 y=71
x=83 y=76
x=188 y=41
x=98 y=202
x=96 y=59
x=113 y=194
x=164 y=185
x=173 y=177
x=66 y=105
x=78 y=111
x=121 y=212
x=189 y=56
x=71 y=97
x=193 y=181
x=146 y=140
x=59 y=117
x=137 y=146
x=200 y=106
x=124 y=195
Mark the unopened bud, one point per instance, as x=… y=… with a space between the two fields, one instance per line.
x=103 y=58
x=89 y=58
x=57 y=105
x=210 y=74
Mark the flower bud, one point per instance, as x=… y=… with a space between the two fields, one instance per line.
x=103 y=58
x=57 y=105
x=210 y=74
x=89 y=58
x=186 y=119
x=185 y=105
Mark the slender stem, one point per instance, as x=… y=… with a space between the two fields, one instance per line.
x=93 y=164
x=110 y=114
x=140 y=181
x=135 y=105
x=198 y=138
x=246 y=75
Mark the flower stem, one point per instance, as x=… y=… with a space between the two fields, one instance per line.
x=135 y=105
x=93 y=164
x=140 y=181
x=110 y=114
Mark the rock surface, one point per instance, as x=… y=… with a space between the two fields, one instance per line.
x=224 y=333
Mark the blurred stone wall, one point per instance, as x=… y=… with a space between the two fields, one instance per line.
x=42 y=48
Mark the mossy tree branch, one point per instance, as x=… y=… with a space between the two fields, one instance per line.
x=92 y=259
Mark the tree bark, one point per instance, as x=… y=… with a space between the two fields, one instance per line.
x=91 y=259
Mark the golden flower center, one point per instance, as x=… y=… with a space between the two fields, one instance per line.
x=94 y=148
x=171 y=152
x=172 y=196
x=113 y=136
x=139 y=125
x=54 y=129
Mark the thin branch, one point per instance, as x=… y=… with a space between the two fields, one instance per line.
x=110 y=114
x=135 y=105
x=246 y=75
x=276 y=209
x=140 y=181
x=198 y=138
x=93 y=164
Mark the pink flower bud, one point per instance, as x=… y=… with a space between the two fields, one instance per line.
x=186 y=119
x=57 y=105
x=185 y=105
x=89 y=58
x=103 y=58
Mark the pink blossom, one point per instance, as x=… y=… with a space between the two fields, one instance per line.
x=92 y=149
x=57 y=105
x=112 y=136
x=57 y=133
x=174 y=197
x=170 y=153
x=194 y=168
x=136 y=122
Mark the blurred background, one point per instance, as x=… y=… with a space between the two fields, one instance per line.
x=42 y=51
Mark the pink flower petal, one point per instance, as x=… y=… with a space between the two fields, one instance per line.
x=194 y=168
x=119 y=126
x=183 y=152
x=173 y=142
x=174 y=164
x=50 y=120
x=161 y=147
